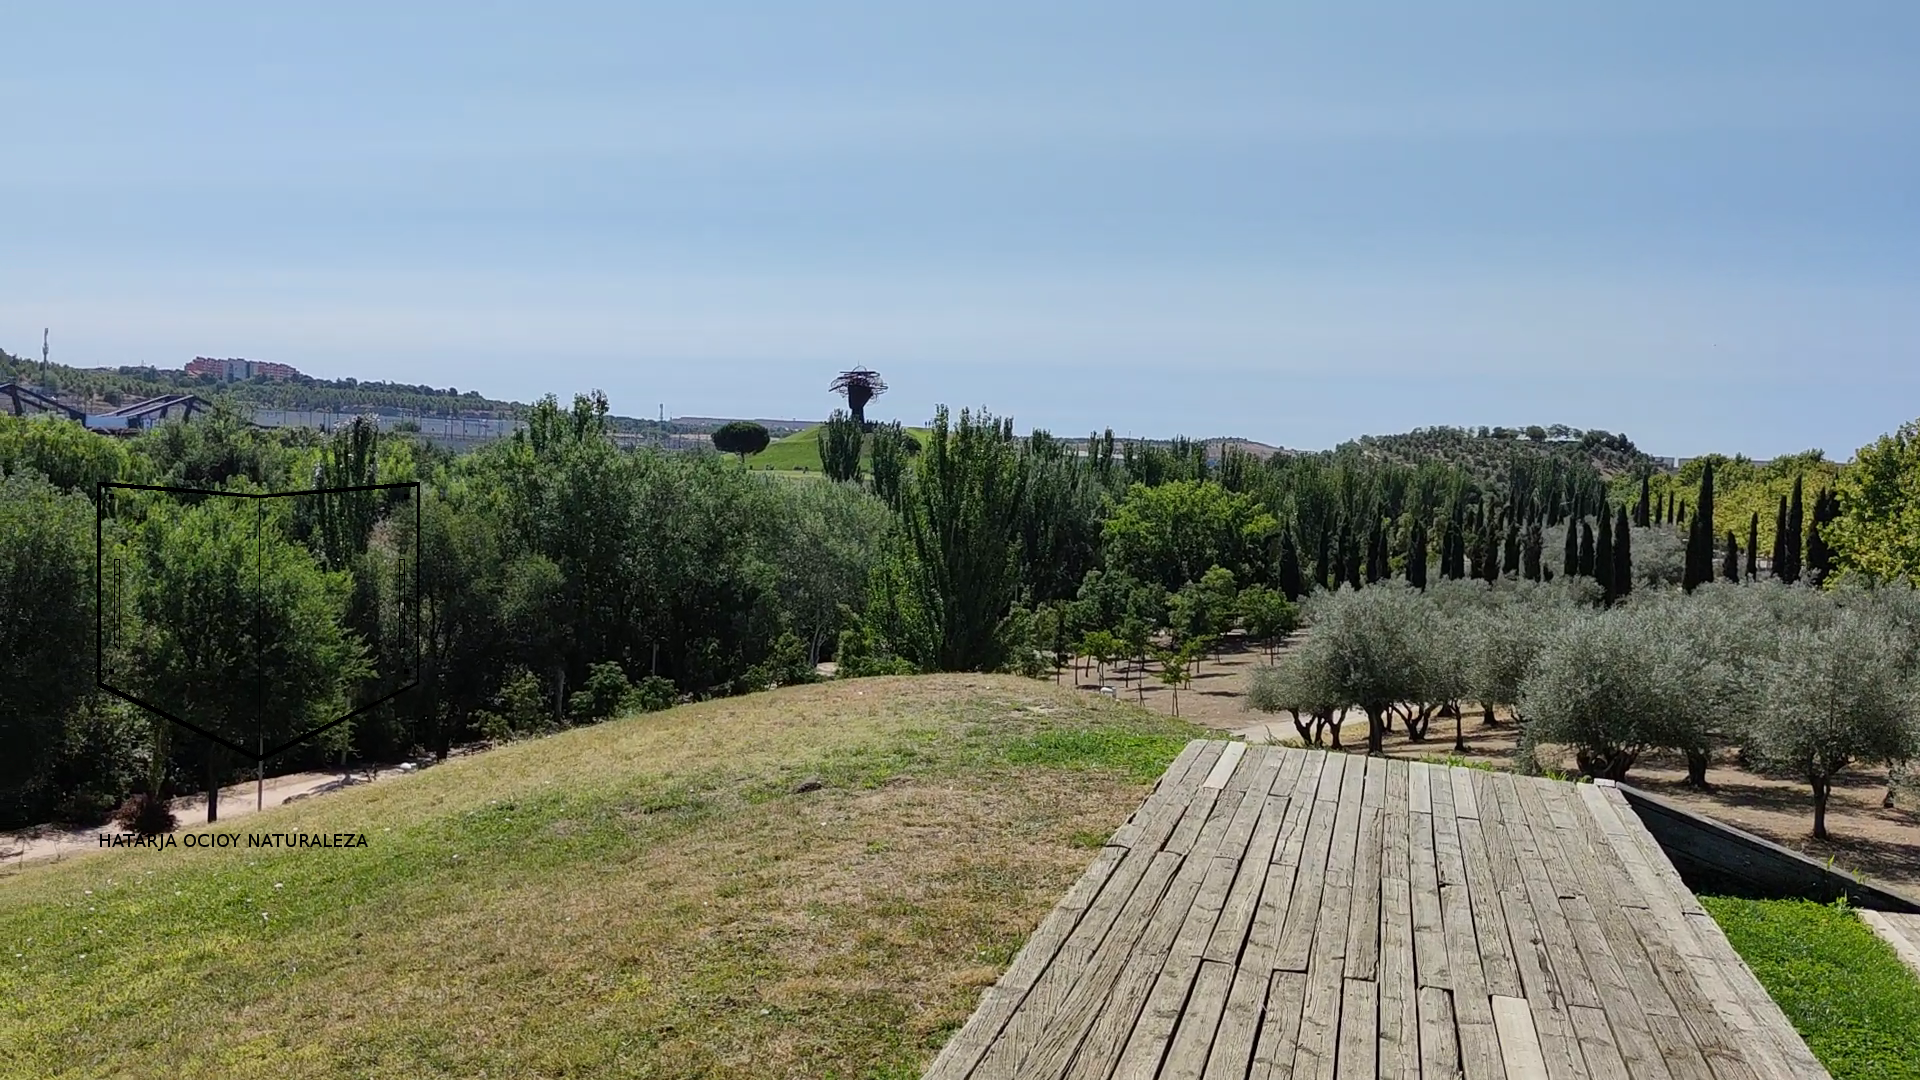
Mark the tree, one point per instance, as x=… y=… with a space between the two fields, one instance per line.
x=741 y=437
x=1877 y=532
x=1753 y=547
x=285 y=667
x=1795 y=529
x=1622 y=554
x=1586 y=548
x=1837 y=696
x=891 y=449
x=1290 y=581
x=1373 y=662
x=1778 y=560
x=1171 y=534
x=1826 y=509
x=46 y=617
x=1531 y=552
x=1603 y=559
x=1730 y=564
x=1642 y=513
x=1570 y=558
x=1267 y=615
x=961 y=558
x=840 y=441
x=1700 y=538
x=1299 y=684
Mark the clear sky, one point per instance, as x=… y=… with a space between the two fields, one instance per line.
x=1695 y=222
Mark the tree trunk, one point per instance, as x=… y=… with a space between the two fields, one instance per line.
x=1697 y=769
x=1375 y=728
x=1459 y=733
x=1486 y=714
x=1821 y=789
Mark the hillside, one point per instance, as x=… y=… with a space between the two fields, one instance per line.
x=1490 y=453
x=648 y=897
x=801 y=450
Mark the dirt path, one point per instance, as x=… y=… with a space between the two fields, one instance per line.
x=58 y=841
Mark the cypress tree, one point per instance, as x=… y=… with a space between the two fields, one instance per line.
x=1691 y=576
x=1511 y=564
x=1530 y=556
x=1417 y=555
x=1826 y=507
x=1681 y=516
x=1641 y=509
x=1586 y=549
x=1322 y=563
x=1779 y=561
x=1570 y=562
x=1622 y=554
x=1350 y=556
x=1700 y=539
x=1730 y=565
x=1795 y=530
x=1290 y=583
x=1603 y=560
x=1753 y=547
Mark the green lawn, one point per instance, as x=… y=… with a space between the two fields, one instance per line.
x=650 y=897
x=801 y=450
x=1848 y=994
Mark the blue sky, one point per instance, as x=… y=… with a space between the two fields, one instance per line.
x=1696 y=223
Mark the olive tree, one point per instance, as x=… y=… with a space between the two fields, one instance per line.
x=1299 y=684
x=1368 y=645
x=1836 y=696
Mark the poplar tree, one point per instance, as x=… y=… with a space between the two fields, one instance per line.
x=1290 y=582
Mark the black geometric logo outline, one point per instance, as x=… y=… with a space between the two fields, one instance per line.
x=258 y=753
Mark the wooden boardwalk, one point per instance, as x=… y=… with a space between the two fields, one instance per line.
x=1273 y=913
x=1900 y=931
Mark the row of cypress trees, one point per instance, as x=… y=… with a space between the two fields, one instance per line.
x=1789 y=561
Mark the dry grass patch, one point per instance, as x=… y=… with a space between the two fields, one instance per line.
x=646 y=898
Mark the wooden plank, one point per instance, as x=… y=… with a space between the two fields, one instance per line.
x=1540 y=819
x=1655 y=858
x=1429 y=937
x=1716 y=1042
x=1498 y=963
x=1519 y=1043
x=1439 y=1048
x=1397 y=842
x=1359 y=1046
x=1447 y=856
x=1243 y=899
x=1465 y=805
x=1751 y=1011
x=1363 y=912
x=1193 y=1039
x=1303 y=913
x=1239 y=1032
x=1147 y=1045
x=1399 y=1000
x=1094 y=1058
x=1280 y=1027
x=1538 y=839
x=1317 y=1047
x=1321 y=1018
x=1624 y=1011
x=1223 y=769
x=1420 y=786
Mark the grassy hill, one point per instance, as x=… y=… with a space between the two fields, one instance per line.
x=801 y=450
x=649 y=897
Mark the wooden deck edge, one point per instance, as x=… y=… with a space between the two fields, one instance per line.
x=1714 y=856
x=1903 y=944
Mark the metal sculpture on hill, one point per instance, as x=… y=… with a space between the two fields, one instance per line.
x=860 y=386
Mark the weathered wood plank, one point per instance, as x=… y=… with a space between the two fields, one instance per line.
x=1193 y=1038
x=1623 y=1010
x=1519 y=1042
x=1537 y=838
x=1243 y=899
x=1439 y=1048
x=1223 y=769
x=1147 y=1045
x=1749 y=1009
x=1465 y=805
x=1363 y=913
x=1233 y=1043
x=1399 y=1001
x=1359 y=1046
x=1096 y=1054
x=1280 y=1027
x=1320 y=1019
x=1420 y=786
x=1423 y=877
x=1303 y=913
x=1498 y=963
x=1447 y=856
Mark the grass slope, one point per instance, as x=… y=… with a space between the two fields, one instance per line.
x=801 y=450
x=1845 y=990
x=648 y=897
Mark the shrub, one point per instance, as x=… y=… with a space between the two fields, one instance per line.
x=146 y=815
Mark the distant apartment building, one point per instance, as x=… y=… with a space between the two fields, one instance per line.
x=234 y=370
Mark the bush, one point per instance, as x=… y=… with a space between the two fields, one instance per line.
x=605 y=692
x=146 y=815
x=652 y=694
